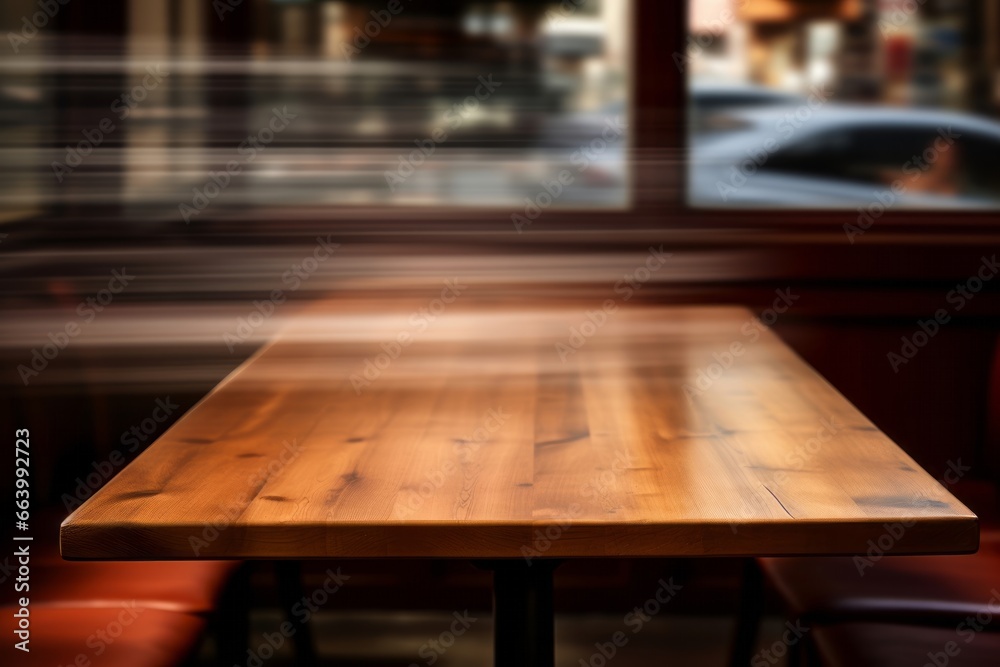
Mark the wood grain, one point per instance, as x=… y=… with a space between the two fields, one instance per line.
x=669 y=432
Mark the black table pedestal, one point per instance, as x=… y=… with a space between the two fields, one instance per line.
x=523 y=615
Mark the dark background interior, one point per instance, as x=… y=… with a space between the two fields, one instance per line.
x=856 y=302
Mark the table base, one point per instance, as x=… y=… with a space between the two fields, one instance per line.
x=523 y=614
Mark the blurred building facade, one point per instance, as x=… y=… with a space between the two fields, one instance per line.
x=938 y=53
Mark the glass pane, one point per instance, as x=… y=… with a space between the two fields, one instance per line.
x=381 y=103
x=834 y=103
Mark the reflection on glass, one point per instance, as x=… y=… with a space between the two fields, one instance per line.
x=860 y=104
x=377 y=103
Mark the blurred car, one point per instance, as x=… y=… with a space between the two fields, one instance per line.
x=593 y=145
x=579 y=128
x=846 y=157
x=711 y=105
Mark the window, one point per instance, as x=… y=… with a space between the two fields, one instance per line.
x=379 y=104
x=848 y=97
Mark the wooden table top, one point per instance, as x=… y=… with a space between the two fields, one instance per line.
x=510 y=431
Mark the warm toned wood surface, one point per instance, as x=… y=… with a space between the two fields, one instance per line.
x=605 y=452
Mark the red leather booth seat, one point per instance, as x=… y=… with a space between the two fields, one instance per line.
x=151 y=614
x=185 y=587
x=884 y=645
x=902 y=588
x=108 y=637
